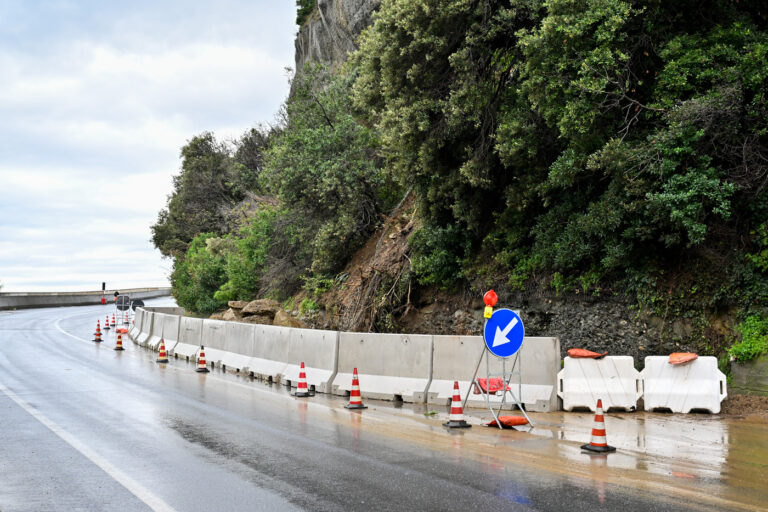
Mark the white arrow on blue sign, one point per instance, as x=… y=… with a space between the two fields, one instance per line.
x=504 y=333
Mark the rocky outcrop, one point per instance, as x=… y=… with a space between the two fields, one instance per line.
x=231 y=315
x=261 y=307
x=331 y=32
x=260 y=311
x=285 y=320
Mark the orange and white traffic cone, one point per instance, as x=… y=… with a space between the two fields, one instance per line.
x=125 y=318
x=456 y=419
x=598 y=443
x=302 y=390
x=202 y=366
x=113 y=320
x=97 y=334
x=355 y=401
x=162 y=355
x=106 y=323
x=119 y=342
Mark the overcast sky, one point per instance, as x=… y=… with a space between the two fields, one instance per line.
x=96 y=100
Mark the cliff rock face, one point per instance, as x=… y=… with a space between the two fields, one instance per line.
x=330 y=33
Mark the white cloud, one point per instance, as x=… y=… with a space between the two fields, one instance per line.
x=96 y=101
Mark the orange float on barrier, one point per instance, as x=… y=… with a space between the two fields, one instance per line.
x=682 y=357
x=584 y=353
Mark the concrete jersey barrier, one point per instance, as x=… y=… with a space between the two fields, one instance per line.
x=318 y=350
x=135 y=329
x=146 y=328
x=268 y=349
x=156 y=333
x=215 y=341
x=164 y=327
x=21 y=300
x=238 y=346
x=190 y=338
x=613 y=379
x=455 y=359
x=390 y=366
x=698 y=384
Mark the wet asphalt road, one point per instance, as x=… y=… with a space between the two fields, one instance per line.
x=83 y=427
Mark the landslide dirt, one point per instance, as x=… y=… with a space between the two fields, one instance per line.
x=745 y=405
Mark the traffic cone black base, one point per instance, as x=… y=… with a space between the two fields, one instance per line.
x=356 y=406
x=457 y=424
x=598 y=449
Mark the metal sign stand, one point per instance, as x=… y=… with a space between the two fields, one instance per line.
x=506 y=378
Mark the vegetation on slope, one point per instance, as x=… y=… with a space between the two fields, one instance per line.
x=594 y=146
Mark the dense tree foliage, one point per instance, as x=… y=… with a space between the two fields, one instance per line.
x=321 y=167
x=201 y=272
x=588 y=138
x=324 y=169
x=588 y=145
x=214 y=176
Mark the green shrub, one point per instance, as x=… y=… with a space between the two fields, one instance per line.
x=324 y=169
x=245 y=264
x=201 y=272
x=303 y=9
x=307 y=305
x=754 y=339
x=438 y=254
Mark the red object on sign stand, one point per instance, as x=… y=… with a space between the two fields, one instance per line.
x=490 y=298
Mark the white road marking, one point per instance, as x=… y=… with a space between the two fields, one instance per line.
x=135 y=488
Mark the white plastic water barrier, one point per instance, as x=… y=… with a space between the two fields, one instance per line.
x=613 y=379
x=698 y=384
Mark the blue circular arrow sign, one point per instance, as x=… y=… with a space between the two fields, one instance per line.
x=504 y=333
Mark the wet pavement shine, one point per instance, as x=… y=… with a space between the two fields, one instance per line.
x=83 y=427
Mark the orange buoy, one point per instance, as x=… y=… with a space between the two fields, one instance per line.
x=508 y=421
x=584 y=353
x=682 y=357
